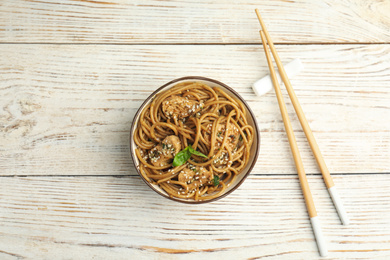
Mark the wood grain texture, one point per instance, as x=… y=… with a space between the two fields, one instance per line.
x=73 y=73
x=121 y=218
x=203 y=21
x=67 y=109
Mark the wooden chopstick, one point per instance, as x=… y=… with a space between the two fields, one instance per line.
x=290 y=134
x=306 y=128
x=296 y=154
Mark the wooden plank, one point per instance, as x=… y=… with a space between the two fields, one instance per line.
x=108 y=217
x=203 y=21
x=67 y=109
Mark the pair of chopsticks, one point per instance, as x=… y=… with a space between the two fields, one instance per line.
x=293 y=143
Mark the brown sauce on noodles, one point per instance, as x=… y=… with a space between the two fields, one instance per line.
x=208 y=119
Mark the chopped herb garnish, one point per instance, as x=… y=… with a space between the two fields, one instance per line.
x=164 y=146
x=154 y=154
x=241 y=138
x=216 y=180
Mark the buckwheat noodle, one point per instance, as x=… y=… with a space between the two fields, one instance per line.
x=218 y=128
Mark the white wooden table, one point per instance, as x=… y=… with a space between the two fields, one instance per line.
x=73 y=73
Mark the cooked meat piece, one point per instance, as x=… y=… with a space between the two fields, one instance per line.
x=204 y=175
x=186 y=175
x=156 y=157
x=171 y=145
x=233 y=135
x=165 y=151
x=195 y=176
x=180 y=107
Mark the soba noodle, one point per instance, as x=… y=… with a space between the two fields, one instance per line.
x=208 y=119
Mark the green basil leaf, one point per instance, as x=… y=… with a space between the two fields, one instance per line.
x=216 y=180
x=193 y=151
x=181 y=157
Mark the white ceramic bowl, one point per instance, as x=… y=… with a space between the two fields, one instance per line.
x=251 y=120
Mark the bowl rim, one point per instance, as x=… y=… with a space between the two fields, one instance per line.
x=133 y=125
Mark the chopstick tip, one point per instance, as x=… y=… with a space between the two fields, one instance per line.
x=259 y=18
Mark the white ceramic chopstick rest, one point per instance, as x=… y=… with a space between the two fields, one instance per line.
x=339 y=205
x=263 y=85
x=315 y=223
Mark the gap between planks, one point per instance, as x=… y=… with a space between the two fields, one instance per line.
x=190 y=43
x=136 y=175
